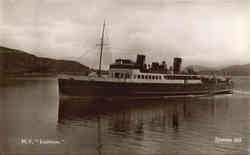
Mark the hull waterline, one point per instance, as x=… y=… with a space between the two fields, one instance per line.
x=111 y=90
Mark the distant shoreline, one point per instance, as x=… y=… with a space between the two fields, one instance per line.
x=38 y=75
x=17 y=63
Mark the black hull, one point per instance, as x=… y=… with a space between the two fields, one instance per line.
x=95 y=89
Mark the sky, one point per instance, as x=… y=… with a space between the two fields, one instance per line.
x=203 y=32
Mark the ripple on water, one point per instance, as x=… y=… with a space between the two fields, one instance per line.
x=176 y=126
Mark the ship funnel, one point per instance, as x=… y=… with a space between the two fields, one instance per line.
x=140 y=61
x=155 y=66
x=177 y=65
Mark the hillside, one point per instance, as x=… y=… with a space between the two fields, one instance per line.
x=16 y=62
x=199 y=68
x=237 y=69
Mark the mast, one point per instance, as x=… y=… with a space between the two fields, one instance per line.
x=102 y=40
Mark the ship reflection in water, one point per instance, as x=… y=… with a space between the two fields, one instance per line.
x=176 y=126
x=207 y=125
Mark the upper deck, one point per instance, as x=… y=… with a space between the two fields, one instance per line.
x=125 y=70
x=135 y=75
x=129 y=71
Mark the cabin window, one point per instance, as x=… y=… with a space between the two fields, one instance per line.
x=146 y=77
x=153 y=77
x=156 y=77
x=139 y=76
x=116 y=75
x=149 y=76
x=121 y=76
x=159 y=77
x=127 y=76
x=142 y=76
x=169 y=77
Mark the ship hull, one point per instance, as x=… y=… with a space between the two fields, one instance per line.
x=86 y=88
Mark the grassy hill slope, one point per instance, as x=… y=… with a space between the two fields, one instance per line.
x=14 y=61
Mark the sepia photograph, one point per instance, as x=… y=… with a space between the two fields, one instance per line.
x=120 y=77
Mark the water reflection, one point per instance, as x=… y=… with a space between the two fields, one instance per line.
x=32 y=109
x=174 y=126
x=99 y=147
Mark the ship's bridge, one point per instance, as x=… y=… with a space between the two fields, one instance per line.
x=122 y=73
x=123 y=64
x=122 y=68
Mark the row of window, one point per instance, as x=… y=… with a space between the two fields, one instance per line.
x=128 y=76
x=179 y=77
x=153 y=77
x=122 y=75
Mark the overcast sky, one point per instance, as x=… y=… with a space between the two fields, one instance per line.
x=204 y=32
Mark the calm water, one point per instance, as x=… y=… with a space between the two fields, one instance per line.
x=210 y=125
